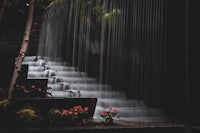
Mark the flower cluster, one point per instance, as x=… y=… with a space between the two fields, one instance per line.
x=68 y=114
x=109 y=113
x=22 y=90
x=3 y=103
x=27 y=113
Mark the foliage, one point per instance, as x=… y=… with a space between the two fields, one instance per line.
x=3 y=104
x=40 y=4
x=21 y=90
x=27 y=113
x=109 y=113
x=99 y=12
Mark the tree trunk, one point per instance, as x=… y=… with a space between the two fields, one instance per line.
x=23 y=49
x=2 y=9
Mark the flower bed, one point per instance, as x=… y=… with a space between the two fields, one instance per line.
x=72 y=116
x=45 y=112
x=26 y=90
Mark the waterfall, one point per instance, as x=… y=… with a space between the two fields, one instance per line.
x=109 y=49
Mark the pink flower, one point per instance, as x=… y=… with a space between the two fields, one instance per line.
x=26 y=91
x=86 y=109
x=104 y=113
x=22 y=86
x=64 y=112
x=57 y=111
x=114 y=110
x=76 y=113
x=33 y=86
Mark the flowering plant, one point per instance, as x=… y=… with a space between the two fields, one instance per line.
x=3 y=104
x=64 y=115
x=27 y=114
x=109 y=113
x=22 y=90
x=3 y=111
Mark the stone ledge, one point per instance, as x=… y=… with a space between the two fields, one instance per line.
x=97 y=126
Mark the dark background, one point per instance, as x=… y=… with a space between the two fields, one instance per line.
x=182 y=90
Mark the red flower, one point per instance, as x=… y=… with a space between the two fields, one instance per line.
x=86 y=109
x=104 y=113
x=65 y=112
x=70 y=112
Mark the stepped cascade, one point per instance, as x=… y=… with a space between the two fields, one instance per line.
x=69 y=82
x=97 y=48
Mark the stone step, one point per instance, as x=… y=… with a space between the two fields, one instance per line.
x=56 y=68
x=63 y=68
x=88 y=94
x=35 y=58
x=80 y=86
x=56 y=63
x=59 y=86
x=38 y=78
x=74 y=80
x=64 y=94
x=102 y=94
x=50 y=73
x=119 y=102
x=71 y=74
x=29 y=58
x=43 y=63
x=69 y=80
x=90 y=87
x=35 y=69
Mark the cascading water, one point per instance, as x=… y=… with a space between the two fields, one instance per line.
x=79 y=47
